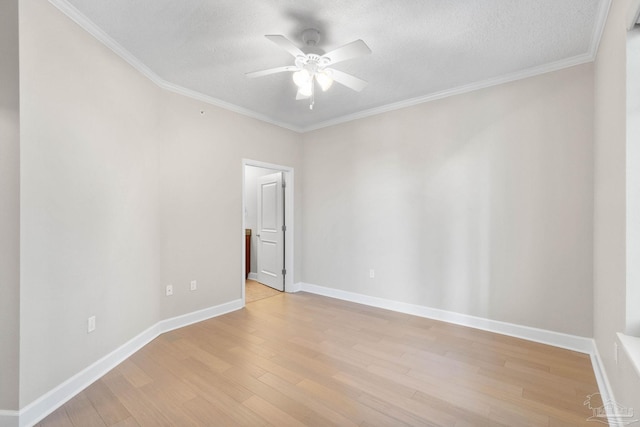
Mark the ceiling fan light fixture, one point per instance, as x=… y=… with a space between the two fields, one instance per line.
x=324 y=79
x=302 y=78
x=307 y=89
x=313 y=64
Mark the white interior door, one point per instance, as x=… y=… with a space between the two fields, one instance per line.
x=271 y=231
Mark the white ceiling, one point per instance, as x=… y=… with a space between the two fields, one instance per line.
x=422 y=49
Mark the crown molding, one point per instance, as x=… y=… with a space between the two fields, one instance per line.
x=518 y=75
x=74 y=14
x=89 y=26
x=222 y=104
x=598 y=28
x=633 y=14
x=85 y=23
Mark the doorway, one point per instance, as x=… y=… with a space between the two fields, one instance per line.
x=257 y=176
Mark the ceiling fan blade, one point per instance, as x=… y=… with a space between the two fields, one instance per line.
x=300 y=96
x=286 y=44
x=348 y=80
x=348 y=51
x=271 y=71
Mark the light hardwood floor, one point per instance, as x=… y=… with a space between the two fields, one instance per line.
x=255 y=291
x=302 y=359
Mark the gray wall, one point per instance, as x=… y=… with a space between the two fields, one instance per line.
x=477 y=203
x=90 y=240
x=9 y=205
x=201 y=197
x=610 y=174
x=633 y=183
x=125 y=188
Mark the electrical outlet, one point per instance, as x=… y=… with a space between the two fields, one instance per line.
x=194 y=285
x=169 y=290
x=91 y=324
x=372 y=273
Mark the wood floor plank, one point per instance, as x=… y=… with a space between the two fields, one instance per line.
x=298 y=394
x=82 y=413
x=275 y=397
x=217 y=384
x=248 y=358
x=142 y=408
x=106 y=403
x=128 y=422
x=193 y=351
x=333 y=396
x=302 y=359
x=399 y=414
x=398 y=401
x=208 y=414
x=228 y=404
x=57 y=418
x=136 y=376
x=255 y=291
x=275 y=415
x=462 y=415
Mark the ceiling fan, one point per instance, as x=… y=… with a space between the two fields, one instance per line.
x=312 y=65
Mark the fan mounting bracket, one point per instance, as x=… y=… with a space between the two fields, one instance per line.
x=310 y=37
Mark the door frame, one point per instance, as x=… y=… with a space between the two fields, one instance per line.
x=288 y=177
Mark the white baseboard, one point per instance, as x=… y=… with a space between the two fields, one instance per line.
x=297 y=287
x=606 y=392
x=49 y=402
x=58 y=396
x=556 y=339
x=253 y=276
x=9 y=418
x=43 y=406
x=200 y=315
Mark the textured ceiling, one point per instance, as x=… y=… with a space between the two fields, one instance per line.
x=422 y=49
